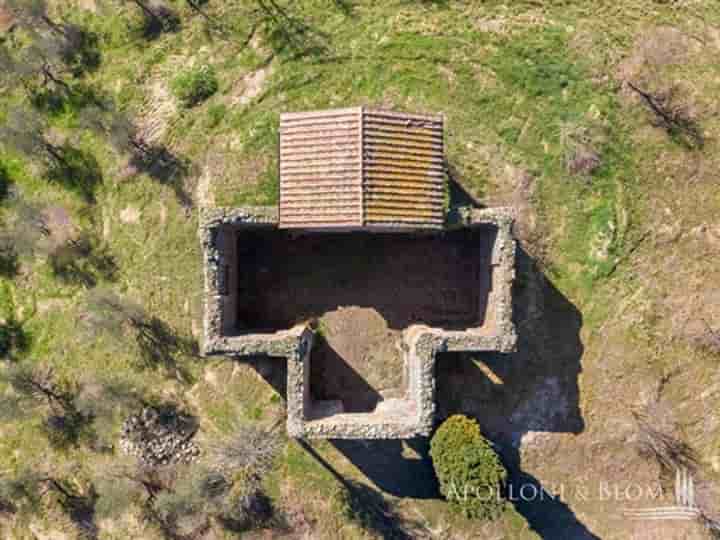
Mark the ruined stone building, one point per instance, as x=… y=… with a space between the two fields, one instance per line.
x=360 y=276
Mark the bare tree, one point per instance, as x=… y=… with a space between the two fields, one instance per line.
x=158 y=17
x=672 y=113
x=157 y=342
x=156 y=160
x=49 y=59
x=33 y=13
x=183 y=501
x=233 y=484
x=83 y=260
x=25 y=130
x=29 y=487
x=656 y=437
x=38 y=385
x=24 y=229
x=249 y=448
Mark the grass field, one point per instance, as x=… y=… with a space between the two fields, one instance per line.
x=619 y=215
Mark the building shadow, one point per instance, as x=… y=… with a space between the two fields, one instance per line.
x=332 y=378
x=401 y=468
x=515 y=397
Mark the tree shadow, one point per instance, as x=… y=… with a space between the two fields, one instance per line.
x=288 y=32
x=77 y=171
x=14 y=339
x=56 y=100
x=67 y=427
x=5 y=182
x=346 y=6
x=78 y=506
x=80 y=50
x=261 y=513
x=9 y=264
x=83 y=261
x=159 y=344
x=163 y=166
x=157 y=19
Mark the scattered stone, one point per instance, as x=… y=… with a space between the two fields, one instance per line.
x=160 y=436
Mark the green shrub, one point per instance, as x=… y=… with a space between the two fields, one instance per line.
x=216 y=114
x=468 y=468
x=195 y=85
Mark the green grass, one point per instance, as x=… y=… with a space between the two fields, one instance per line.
x=511 y=91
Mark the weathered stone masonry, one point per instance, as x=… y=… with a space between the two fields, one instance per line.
x=397 y=418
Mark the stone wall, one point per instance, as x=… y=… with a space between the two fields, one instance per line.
x=399 y=418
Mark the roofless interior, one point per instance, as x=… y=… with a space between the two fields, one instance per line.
x=439 y=279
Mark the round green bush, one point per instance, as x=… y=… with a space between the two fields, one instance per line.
x=469 y=470
x=195 y=85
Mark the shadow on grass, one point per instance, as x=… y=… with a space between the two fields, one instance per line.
x=371 y=511
x=9 y=265
x=260 y=514
x=14 y=340
x=532 y=390
x=5 y=182
x=165 y=167
x=57 y=100
x=346 y=6
x=287 y=32
x=77 y=171
x=364 y=505
x=81 y=51
x=83 y=261
x=157 y=18
x=409 y=460
x=159 y=345
x=77 y=505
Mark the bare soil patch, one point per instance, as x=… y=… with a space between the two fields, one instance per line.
x=440 y=280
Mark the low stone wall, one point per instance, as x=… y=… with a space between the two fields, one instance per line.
x=217 y=230
x=401 y=418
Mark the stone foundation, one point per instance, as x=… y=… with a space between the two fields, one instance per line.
x=398 y=418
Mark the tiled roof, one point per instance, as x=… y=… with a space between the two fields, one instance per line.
x=352 y=168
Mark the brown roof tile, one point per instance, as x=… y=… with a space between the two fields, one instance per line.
x=361 y=168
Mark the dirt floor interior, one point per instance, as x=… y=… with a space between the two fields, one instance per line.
x=362 y=290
